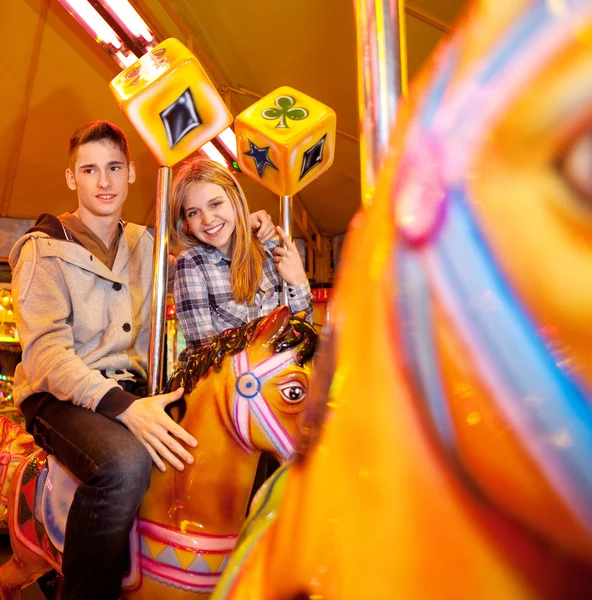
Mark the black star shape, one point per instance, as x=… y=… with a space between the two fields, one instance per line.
x=261 y=157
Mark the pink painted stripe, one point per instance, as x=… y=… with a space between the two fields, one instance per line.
x=131 y=581
x=274 y=425
x=242 y=422
x=273 y=363
x=192 y=580
x=243 y=362
x=241 y=408
x=196 y=542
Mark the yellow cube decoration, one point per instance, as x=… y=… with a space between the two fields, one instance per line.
x=285 y=140
x=171 y=102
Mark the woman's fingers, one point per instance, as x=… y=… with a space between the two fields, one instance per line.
x=289 y=243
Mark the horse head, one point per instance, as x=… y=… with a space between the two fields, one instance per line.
x=460 y=349
x=259 y=374
x=492 y=261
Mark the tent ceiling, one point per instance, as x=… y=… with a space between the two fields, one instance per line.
x=57 y=77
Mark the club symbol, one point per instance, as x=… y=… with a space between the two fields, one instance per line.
x=285 y=110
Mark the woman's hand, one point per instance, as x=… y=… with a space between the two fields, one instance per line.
x=288 y=262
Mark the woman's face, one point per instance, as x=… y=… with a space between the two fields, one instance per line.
x=209 y=215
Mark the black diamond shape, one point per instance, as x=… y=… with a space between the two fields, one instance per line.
x=180 y=118
x=31 y=470
x=312 y=157
x=40 y=531
x=24 y=511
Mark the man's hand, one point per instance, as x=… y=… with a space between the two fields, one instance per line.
x=148 y=421
x=262 y=226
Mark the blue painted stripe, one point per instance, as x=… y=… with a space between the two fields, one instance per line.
x=418 y=340
x=513 y=349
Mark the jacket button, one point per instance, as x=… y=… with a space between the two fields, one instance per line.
x=117 y=286
x=127 y=327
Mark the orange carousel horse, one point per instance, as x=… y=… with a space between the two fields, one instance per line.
x=446 y=450
x=244 y=394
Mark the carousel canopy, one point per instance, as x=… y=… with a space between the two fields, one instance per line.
x=55 y=78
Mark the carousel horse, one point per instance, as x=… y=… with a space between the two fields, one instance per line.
x=244 y=394
x=446 y=449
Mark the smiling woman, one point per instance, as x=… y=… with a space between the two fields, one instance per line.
x=225 y=276
x=209 y=216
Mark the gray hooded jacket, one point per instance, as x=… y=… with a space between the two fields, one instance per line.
x=82 y=326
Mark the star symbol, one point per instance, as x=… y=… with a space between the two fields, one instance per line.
x=261 y=157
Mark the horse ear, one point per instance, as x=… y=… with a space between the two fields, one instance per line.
x=272 y=325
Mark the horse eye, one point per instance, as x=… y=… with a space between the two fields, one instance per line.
x=576 y=166
x=293 y=393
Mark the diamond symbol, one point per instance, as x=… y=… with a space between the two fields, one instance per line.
x=312 y=157
x=180 y=118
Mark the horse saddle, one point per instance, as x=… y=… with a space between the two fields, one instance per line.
x=45 y=491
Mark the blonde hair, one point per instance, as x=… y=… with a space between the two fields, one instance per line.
x=246 y=265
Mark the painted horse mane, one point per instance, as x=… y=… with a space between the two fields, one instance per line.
x=295 y=333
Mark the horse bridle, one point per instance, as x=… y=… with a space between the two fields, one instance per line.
x=248 y=400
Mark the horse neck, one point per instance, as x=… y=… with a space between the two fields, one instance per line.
x=211 y=495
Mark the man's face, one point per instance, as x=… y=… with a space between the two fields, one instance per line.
x=101 y=176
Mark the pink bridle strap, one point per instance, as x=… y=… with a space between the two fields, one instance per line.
x=248 y=401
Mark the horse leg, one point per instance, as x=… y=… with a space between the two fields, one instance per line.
x=12 y=580
x=23 y=568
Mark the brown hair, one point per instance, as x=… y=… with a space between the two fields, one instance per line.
x=97 y=131
x=246 y=266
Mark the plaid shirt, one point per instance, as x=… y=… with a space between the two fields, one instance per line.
x=203 y=294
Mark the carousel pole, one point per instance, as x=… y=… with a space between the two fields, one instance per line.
x=159 y=283
x=286 y=218
x=176 y=109
x=382 y=79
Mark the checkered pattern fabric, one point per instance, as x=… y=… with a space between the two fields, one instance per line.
x=203 y=295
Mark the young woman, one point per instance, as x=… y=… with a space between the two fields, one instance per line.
x=225 y=277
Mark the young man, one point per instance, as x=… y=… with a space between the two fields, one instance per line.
x=82 y=288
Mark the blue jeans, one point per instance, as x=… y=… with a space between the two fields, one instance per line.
x=114 y=469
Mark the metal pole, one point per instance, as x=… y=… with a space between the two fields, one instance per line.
x=382 y=79
x=286 y=218
x=159 y=284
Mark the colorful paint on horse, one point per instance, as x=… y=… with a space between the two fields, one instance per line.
x=16 y=445
x=447 y=450
x=189 y=521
